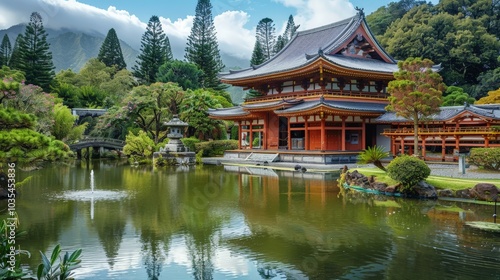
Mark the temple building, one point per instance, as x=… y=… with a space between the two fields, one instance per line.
x=322 y=98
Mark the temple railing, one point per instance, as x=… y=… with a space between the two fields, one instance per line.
x=316 y=92
x=476 y=130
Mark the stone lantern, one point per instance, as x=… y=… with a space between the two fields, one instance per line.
x=174 y=153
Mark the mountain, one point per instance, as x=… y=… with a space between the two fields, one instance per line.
x=72 y=49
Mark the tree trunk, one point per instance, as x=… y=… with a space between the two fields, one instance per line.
x=415 y=135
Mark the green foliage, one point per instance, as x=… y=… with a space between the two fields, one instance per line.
x=35 y=58
x=373 y=155
x=194 y=111
x=5 y=51
x=57 y=267
x=456 y=96
x=202 y=46
x=464 y=42
x=64 y=128
x=153 y=52
x=10 y=265
x=199 y=156
x=492 y=97
x=487 y=158
x=234 y=133
x=487 y=81
x=380 y=20
x=265 y=34
x=69 y=94
x=408 y=170
x=110 y=52
x=186 y=75
x=216 y=148
x=190 y=143
x=258 y=56
x=138 y=147
x=15 y=57
x=256 y=142
x=11 y=118
x=92 y=97
x=416 y=91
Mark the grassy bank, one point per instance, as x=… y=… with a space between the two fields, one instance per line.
x=439 y=182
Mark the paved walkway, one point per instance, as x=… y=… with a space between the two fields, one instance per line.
x=438 y=169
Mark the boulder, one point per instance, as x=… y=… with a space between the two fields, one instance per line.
x=465 y=193
x=445 y=193
x=424 y=190
x=392 y=189
x=381 y=187
x=484 y=191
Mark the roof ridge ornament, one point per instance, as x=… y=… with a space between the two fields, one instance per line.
x=360 y=11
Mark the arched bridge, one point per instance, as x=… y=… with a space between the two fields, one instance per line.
x=108 y=143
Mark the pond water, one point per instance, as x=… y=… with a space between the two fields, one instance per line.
x=215 y=222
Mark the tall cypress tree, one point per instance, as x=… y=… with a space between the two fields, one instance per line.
x=202 y=47
x=168 y=51
x=152 y=54
x=15 y=55
x=290 y=31
x=265 y=33
x=257 y=54
x=35 y=59
x=111 y=52
x=5 y=51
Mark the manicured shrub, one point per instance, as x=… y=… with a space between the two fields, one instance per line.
x=487 y=158
x=216 y=148
x=408 y=170
x=190 y=143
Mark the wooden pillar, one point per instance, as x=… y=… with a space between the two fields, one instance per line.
x=393 y=145
x=486 y=141
x=264 y=137
x=250 y=137
x=363 y=134
x=402 y=148
x=343 y=133
x=240 y=134
x=457 y=142
x=423 y=146
x=443 y=147
x=323 y=132
x=306 y=140
x=289 y=136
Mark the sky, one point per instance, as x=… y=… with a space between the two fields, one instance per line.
x=234 y=20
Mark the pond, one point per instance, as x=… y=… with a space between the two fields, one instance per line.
x=215 y=222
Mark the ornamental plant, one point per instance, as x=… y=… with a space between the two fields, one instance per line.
x=408 y=170
x=373 y=155
x=487 y=158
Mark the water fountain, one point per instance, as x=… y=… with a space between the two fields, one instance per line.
x=92 y=194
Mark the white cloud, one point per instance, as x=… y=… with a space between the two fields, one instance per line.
x=314 y=13
x=234 y=39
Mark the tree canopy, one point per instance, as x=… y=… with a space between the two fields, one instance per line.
x=35 y=58
x=110 y=52
x=416 y=92
x=185 y=74
x=5 y=51
x=153 y=52
x=202 y=46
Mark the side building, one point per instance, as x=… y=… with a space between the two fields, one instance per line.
x=319 y=96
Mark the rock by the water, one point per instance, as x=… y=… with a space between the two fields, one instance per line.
x=484 y=191
x=465 y=193
x=445 y=193
x=424 y=190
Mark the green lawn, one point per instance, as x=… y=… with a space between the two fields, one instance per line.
x=439 y=182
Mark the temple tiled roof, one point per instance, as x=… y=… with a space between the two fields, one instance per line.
x=309 y=45
x=236 y=111
x=270 y=104
x=491 y=111
x=366 y=107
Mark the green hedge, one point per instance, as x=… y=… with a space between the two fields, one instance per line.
x=190 y=143
x=487 y=158
x=216 y=147
x=408 y=170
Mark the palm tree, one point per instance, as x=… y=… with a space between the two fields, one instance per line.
x=373 y=155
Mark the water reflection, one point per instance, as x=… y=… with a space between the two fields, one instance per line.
x=216 y=223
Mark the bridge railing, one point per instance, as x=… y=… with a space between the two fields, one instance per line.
x=98 y=140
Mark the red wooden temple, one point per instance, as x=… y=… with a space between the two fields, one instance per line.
x=323 y=95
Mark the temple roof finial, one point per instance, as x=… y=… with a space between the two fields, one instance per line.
x=360 y=11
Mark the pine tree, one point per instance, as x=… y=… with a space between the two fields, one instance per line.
x=202 y=47
x=152 y=54
x=35 y=59
x=290 y=31
x=111 y=52
x=257 y=55
x=5 y=51
x=265 y=34
x=15 y=56
x=168 y=51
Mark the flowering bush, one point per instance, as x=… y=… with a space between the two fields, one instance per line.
x=487 y=158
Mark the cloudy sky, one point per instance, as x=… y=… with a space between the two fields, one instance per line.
x=235 y=20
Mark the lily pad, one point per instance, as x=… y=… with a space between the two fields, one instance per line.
x=486 y=226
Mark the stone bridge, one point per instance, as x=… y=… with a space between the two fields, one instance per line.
x=98 y=143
